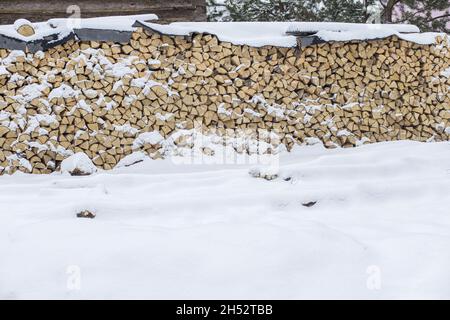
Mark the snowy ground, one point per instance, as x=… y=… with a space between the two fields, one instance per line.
x=380 y=229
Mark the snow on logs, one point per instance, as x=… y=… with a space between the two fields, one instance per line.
x=24 y=28
x=101 y=98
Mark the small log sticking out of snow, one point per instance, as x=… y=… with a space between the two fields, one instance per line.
x=86 y=214
x=24 y=27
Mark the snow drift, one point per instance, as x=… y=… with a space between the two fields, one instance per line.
x=380 y=229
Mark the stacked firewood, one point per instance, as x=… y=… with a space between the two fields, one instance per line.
x=99 y=97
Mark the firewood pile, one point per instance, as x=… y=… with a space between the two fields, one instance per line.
x=99 y=97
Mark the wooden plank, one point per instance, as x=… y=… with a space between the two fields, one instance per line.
x=39 y=10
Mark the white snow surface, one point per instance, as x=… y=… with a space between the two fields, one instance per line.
x=259 y=34
x=380 y=228
x=345 y=27
x=370 y=34
x=119 y=23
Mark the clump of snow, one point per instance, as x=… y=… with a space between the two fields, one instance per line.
x=371 y=34
x=3 y=71
x=118 y=23
x=267 y=173
x=152 y=138
x=22 y=161
x=164 y=117
x=343 y=133
x=131 y=159
x=126 y=128
x=145 y=83
x=90 y=93
x=12 y=57
x=153 y=63
x=16 y=77
x=83 y=105
x=273 y=110
x=31 y=91
x=78 y=164
x=35 y=121
x=221 y=110
x=120 y=68
x=63 y=91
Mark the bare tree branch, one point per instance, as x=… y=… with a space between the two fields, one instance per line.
x=439 y=17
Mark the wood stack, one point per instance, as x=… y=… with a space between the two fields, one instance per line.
x=98 y=97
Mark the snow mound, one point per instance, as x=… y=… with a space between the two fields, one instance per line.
x=152 y=138
x=380 y=229
x=78 y=164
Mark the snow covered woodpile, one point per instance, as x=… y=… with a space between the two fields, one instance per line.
x=108 y=99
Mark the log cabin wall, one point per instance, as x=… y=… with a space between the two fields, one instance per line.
x=42 y=10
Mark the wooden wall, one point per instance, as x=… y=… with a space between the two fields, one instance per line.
x=42 y=10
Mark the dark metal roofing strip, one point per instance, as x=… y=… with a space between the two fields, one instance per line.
x=12 y=43
x=103 y=35
x=309 y=40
